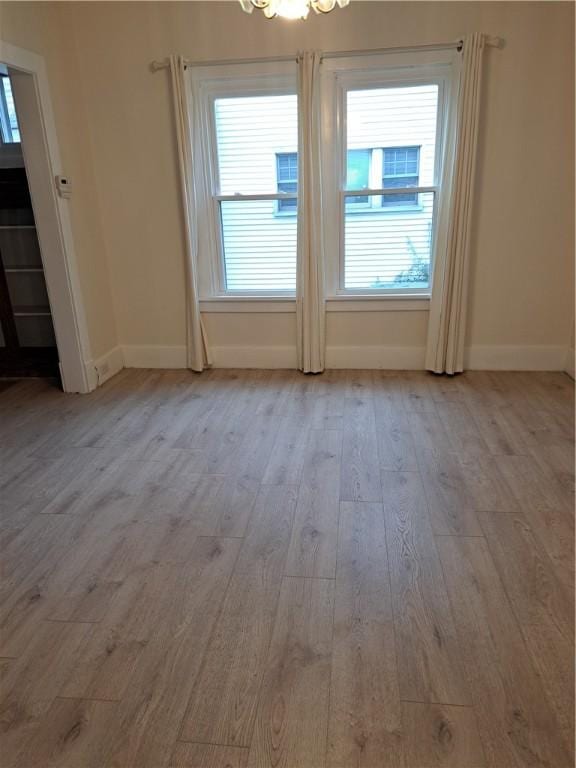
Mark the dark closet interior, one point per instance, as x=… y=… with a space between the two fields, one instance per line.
x=27 y=342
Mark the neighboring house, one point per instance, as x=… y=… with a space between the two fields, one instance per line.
x=391 y=144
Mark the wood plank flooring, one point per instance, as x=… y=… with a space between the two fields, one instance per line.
x=260 y=569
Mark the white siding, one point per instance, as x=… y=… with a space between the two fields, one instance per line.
x=260 y=248
x=380 y=245
x=250 y=131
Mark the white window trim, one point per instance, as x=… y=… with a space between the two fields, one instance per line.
x=208 y=83
x=366 y=303
x=342 y=74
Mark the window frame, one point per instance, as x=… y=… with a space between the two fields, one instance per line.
x=363 y=206
x=209 y=84
x=256 y=78
x=402 y=204
x=385 y=70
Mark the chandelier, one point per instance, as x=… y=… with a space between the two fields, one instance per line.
x=291 y=9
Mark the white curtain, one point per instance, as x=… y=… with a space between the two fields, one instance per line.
x=448 y=306
x=198 y=353
x=310 y=304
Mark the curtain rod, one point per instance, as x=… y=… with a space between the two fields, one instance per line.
x=491 y=42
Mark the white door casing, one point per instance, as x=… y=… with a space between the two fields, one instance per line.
x=42 y=160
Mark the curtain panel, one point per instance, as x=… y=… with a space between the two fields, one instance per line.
x=198 y=352
x=449 y=301
x=310 y=303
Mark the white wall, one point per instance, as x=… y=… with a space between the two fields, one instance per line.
x=119 y=138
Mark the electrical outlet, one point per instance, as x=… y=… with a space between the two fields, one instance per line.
x=102 y=370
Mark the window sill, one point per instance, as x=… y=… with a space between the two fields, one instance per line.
x=234 y=304
x=367 y=303
x=360 y=211
x=383 y=209
x=378 y=303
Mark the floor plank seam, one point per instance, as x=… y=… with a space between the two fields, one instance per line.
x=211 y=744
x=308 y=578
x=203 y=662
x=436 y=703
x=87 y=698
x=70 y=621
x=329 y=704
x=273 y=621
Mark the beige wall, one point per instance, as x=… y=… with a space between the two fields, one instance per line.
x=116 y=132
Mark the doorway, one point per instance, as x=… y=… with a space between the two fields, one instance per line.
x=27 y=339
x=61 y=305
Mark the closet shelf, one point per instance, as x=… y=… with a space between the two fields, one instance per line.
x=31 y=311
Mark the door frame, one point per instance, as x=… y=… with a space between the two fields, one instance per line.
x=43 y=163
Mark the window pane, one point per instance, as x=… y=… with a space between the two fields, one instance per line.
x=400 y=121
x=287 y=176
x=358 y=173
x=252 y=134
x=388 y=246
x=385 y=250
x=287 y=166
x=397 y=182
x=10 y=130
x=259 y=246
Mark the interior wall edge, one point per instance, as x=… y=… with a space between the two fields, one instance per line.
x=569 y=365
x=104 y=367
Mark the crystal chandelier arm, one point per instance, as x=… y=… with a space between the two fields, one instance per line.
x=291 y=9
x=323 y=6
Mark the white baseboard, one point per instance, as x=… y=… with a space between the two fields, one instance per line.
x=277 y=357
x=569 y=363
x=513 y=358
x=504 y=358
x=103 y=368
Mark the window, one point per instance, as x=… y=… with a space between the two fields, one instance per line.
x=256 y=140
x=390 y=167
x=384 y=134
x=389 y=250
x=287 y=180
x=400 y=170
x=358 y=163
x=9 y=131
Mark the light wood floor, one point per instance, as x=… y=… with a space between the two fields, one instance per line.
x=258 y=568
